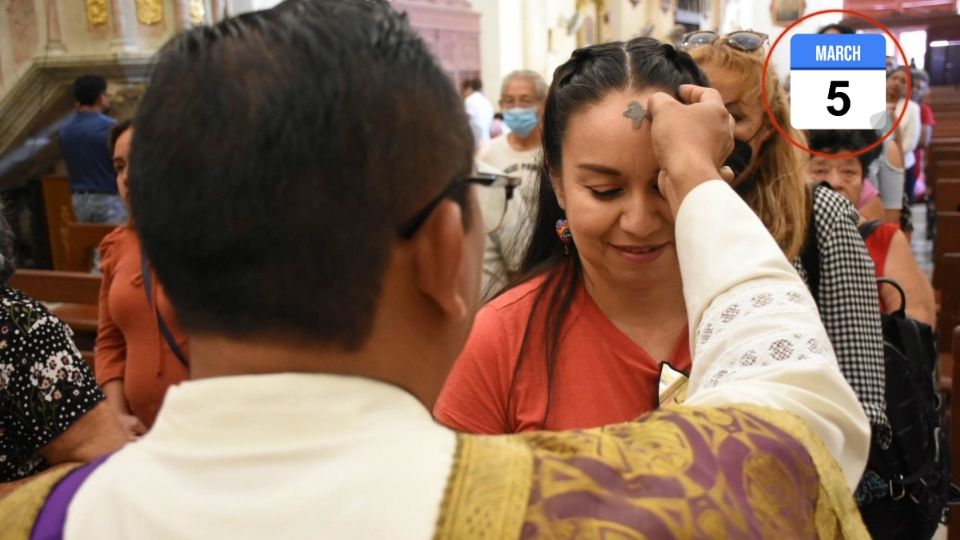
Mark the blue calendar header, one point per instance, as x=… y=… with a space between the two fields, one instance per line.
x=838 y=51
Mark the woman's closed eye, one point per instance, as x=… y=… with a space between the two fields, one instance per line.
x=605 y=192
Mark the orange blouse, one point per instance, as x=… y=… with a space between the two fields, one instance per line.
x=130 y=345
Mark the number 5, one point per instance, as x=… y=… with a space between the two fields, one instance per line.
x=844 y=98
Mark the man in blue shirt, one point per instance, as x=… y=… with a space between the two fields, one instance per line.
x=83 y=143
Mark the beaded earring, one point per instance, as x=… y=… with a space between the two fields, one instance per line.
x=563 y=232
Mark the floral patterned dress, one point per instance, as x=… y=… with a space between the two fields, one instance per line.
x=45 y=386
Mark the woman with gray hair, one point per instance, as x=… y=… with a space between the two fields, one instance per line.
x=514 y=153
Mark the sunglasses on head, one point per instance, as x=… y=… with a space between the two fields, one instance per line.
x=743 y=40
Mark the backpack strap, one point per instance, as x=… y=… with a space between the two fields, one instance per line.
x=53 y=516
x=810 y=256
x=901 y=312
x=868 y=228
x=164 y=329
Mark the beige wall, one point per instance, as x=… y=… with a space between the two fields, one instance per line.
x=41 y=31
x=527 y=34
x=45 y=44
x=750 y=15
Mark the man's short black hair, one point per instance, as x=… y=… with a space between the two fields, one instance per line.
x=842 y=28
x=88 y=88
x=836 y=141
x=276 y=155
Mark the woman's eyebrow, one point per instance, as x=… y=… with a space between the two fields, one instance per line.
x=599 y=169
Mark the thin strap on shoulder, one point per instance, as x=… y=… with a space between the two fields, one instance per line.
x=161 y=322
x=53 y=516
x=868 y=228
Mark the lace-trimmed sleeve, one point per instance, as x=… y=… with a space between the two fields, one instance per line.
x=757 y=326
x=757 y=337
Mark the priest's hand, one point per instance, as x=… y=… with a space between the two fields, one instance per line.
x=691 y=137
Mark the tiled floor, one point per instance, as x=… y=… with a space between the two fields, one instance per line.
x=922 y=248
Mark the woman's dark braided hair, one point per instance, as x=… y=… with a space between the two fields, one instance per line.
x=587 y=77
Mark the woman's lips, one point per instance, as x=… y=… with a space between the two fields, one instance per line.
x=640 y=254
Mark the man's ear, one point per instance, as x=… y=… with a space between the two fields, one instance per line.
x=438 y=258
x=557 y=184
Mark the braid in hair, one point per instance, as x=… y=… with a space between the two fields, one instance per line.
x=586 y=78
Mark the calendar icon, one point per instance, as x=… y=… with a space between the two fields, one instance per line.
x=838 y=81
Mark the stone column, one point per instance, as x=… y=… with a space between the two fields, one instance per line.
x=219 y=9
x=181 y=14
x=54 y=42
x=535 y=37
x=124 y=16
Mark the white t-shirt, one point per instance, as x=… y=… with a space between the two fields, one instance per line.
x=505 y=246
x=909 y=130
x=480 y=112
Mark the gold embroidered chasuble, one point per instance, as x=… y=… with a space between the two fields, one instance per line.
x=738 y=472
x=684 y=472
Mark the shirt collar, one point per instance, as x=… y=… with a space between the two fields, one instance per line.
x=282 y=410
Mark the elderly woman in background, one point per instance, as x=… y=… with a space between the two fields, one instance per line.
x=887 y=244
x=141 y=350
x=51 y=410
x=514 y=153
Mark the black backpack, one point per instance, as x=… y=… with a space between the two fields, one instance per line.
x=906 y=486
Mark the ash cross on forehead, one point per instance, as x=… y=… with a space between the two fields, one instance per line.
x=635 y=112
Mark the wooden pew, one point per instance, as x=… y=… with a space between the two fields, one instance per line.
x=948 y=195
x=941 y=152
x=939 y=158
x=72 y=296
x=947 y=241
x=82 y=242
x=72 y=243
x=944 y=168
x=949 y=316
x=59 y=213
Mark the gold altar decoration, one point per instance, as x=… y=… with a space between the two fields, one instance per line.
x=149 y=12
x=97 y=12
x=197 y=12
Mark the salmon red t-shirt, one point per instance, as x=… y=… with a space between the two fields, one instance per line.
x=878 y=245
x=601 y=376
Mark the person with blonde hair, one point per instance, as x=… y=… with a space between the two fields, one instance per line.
x=771 y=178
x=887 y=244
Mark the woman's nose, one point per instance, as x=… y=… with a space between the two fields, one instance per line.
x=638 y=215
x=833 y=178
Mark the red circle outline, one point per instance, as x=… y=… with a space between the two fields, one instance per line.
x=766 y=103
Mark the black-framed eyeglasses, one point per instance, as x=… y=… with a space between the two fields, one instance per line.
x=743 y=40
x=491 y=220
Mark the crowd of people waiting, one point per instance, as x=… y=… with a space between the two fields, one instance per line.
x=639 y=218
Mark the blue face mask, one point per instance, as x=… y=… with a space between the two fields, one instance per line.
x=520 y=121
